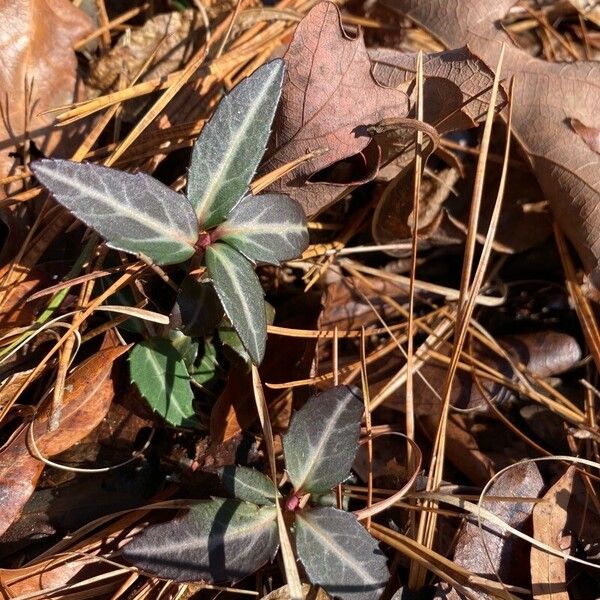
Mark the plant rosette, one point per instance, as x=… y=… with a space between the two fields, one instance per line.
x=218 y=219
x=223 y=540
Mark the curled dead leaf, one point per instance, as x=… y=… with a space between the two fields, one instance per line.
x=548 y=572
x=329 y=99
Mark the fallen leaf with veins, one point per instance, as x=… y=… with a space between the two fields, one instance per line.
x=87 y=398
x=509 y=554
x=547 y=96
x=39 y=72
x=329 y=98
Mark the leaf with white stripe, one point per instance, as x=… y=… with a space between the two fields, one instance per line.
x=322 y=440
x=159 y=372
x=228 y=151
x=134 y=213
x=241 y=295
x=248 y=484
x=339 y=554
x=270 y=228
x=214 y=540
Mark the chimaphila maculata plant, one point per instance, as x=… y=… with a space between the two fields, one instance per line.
x=218 y=221
x=138 y=214
x=224 y=540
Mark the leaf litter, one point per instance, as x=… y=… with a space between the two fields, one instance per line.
x=342 y=147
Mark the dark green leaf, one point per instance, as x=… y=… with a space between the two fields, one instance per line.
x=339 y=554
x=270 y=228
x=207 y=369
x=241 y=295
x=322 y=440
x=248 y=484
x=197 y=310
x=227 y=153
x=134 y=213
x=215 y=540
x=159 y=372
x=233 y=348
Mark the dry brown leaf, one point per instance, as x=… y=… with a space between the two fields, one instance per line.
x=88 y=395
x=345 y=306
x=329 y=98
x=456 y=90
x=39 y=72
x=51 y=573
x=172 y=35
x=466 y=392
x=547 y=96
x=544 y=353
x=525 y=220
x=309 y=592
x=463 y=452
x=509 y=555
x=394 y=213
x=548 y=572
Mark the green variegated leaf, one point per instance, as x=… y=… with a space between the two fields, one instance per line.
x=214 y=540
x=158 y=370
x=134 y=213
x=241 y=295
x=269 y=228
x=338 y=554
x=248 y=484
x=227 y=153
x=322 y=440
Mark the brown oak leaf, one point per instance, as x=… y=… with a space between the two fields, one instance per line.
x=547 y=97
x=329 y=98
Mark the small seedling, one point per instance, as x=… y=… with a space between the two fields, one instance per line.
x=223 y=540
x=217 y=220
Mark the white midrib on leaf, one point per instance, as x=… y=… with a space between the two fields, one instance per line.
x=206 y=208
x=311 y=466
x=324 y=535
x=161 y=375
x=254 y=524
x=226 y=264
x=118 y=207
x=266 y=228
